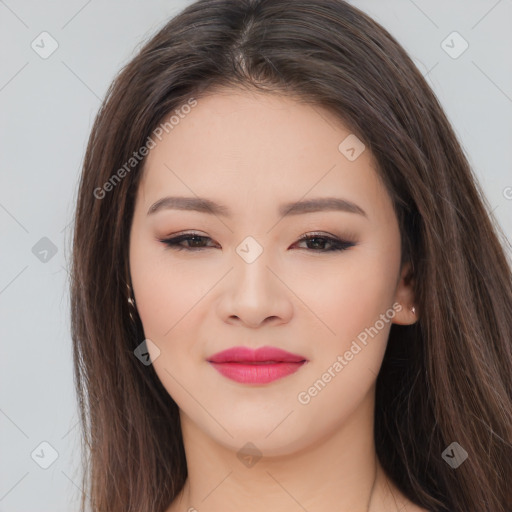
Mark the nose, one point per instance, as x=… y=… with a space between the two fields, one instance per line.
x=255 y=294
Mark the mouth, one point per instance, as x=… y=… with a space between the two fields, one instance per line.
x=260 y=366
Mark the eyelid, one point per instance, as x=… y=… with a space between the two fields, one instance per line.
x=347 y=237
x=338 y=243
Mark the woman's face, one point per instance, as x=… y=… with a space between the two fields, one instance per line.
x=247 y=279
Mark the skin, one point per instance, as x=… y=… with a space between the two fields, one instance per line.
x=252 y=152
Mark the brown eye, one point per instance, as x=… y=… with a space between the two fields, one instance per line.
x=314 y=242
x=195 y=242
x=318 y=243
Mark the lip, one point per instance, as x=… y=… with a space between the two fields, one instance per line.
x=260 y=366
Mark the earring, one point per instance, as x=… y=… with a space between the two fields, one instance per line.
x=131 y=301
x=131 y=304
x=413 y=310
x=131 y=298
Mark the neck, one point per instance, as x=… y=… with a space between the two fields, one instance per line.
x=338 y=472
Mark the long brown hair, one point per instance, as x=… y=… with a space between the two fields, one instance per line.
x=447 y=378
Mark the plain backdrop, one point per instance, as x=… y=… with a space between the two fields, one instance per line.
x=48 y=106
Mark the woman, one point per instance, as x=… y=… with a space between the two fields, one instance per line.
x=288 y=291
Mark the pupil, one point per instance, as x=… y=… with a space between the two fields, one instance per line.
x=317 y=241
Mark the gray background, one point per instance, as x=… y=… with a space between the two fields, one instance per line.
x=48 y=106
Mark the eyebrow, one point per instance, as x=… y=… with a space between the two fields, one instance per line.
x=203 y=205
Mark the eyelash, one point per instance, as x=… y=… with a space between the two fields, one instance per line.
x=337 y=244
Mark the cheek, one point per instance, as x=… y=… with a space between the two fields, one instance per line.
x=170 y=294
x=355 y=302
x=164 y=296
x=345 y=364
x=161 y=292
x=353 y=296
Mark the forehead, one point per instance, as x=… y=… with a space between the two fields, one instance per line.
x=237 y=145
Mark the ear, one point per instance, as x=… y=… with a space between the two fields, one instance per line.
x=404 y=296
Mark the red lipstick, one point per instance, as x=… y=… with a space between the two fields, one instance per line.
x=260 y=366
